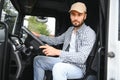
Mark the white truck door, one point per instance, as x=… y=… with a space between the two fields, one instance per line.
x=113 y=58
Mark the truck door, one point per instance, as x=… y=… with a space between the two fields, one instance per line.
x=113 y=42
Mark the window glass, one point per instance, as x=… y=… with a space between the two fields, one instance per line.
x=9 y=15
x=42 y=25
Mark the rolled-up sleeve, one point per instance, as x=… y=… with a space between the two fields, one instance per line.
x=52 y=40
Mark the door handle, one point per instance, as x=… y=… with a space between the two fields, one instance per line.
x=111 y=54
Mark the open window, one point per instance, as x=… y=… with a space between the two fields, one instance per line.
x=43 y=25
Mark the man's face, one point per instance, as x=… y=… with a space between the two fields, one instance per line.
x=77 y=18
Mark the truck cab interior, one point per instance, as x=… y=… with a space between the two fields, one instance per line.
x=18 y=63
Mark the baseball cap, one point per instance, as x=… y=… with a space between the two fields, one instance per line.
x=79 y=7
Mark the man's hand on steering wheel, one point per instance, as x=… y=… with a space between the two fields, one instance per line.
x=36 y=34
x=50 y=51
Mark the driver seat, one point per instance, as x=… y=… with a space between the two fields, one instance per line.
x=91 y=63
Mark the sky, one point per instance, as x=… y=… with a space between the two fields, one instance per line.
x=51 y=25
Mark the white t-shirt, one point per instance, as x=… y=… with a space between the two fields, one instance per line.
x=72 y=42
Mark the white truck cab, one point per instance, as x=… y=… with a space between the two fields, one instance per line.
x=113 y=56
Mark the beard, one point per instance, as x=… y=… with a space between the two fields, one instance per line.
x=77 y=23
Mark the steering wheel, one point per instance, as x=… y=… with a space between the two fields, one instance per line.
x=33 y=36
x=35 y=42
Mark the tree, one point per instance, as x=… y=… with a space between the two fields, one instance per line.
x=37 y=26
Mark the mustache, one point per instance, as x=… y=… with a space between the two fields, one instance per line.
x=75 y=21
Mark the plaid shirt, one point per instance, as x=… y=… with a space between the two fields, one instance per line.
x=85 y=38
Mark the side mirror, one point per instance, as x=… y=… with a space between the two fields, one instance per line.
x=42 y=19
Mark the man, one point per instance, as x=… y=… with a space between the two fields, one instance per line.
x=77 y=43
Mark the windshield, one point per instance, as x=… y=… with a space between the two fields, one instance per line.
x=9 y=15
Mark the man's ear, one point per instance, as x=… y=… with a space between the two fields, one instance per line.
x=85 y=16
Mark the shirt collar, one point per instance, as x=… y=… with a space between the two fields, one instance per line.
x=81 y=28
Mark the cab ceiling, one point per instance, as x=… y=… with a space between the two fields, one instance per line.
x=37 y=7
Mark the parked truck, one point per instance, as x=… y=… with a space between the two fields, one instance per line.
x=17 y=52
